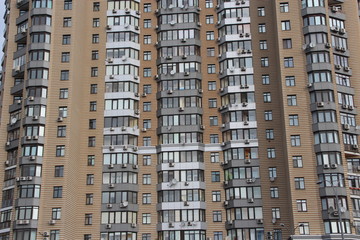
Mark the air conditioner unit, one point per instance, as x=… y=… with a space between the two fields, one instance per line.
x=326 y=166
x=320 y=104
x=114 y=11
x=137 y=28
x=108 y=226
x=32 y=158
x=201 y=91
x=35 y=137
x=334 y=165
x=183 y=40
x=246 y=123
x=232 y=69
x=184 y=56
x=171 y=225
x=346 y=69
x=250 y=200
x=170 y=91
x=335 y=213
x=123 y=128
x=7 y=163
x=169 y=57
x=111 y=148
x=355 y=146
x=137 y=111
x=135 y=148
x=127 y=10
x=351 y=107
x=243 y=69
x=218 y=6
x=111 y=77
x=186 y=203
x=123 y=58
x=144 y=95
x=23 y=30
x=247 y=34
x=23 y=178
x=186 y=73
x=226 y=183
x=135 y=166
x=272 y=179
x=342 y=31
x=136 y=77
x=52 y=222
x=337 y=66
x=202 y=127
x=247 y=161
x=35 y=118
x=112 y=129
x=239 y=19
x=223 y=125
x=29 y=178
x=334 y=9
x=31 y=98
x=108 y=27
x=334 y=28
x=133 y=225
x=171 y=164
x=244 y=104
x=226 y=203
x=241 y=35
x=124 y=165
x=124 y=204
x=249 y=180
x=7 y=144
x=247 y=141
x=17 y=179
x=181 y=109
x=60 y=119
x=109 y=205
x=327 y=45
x=344 y=106
x=111 y=166
x=346 y=126
x=18 y=101
x=312 y=44
x=143 y=129
x=111 y=185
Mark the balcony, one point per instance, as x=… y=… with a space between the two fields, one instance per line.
x=22 y=4
x=351 y=148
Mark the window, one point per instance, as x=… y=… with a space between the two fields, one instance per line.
x=277 y=234
x=147 y=72
x=265 y=79
x=210 y=52
x=60 y=150
x=218 y=236
x=96 y=22
x=147 y=39
x=212 y=86
x=64 y=93
x=288 y=62
x=147 y=7
x=147 y=56
x=299 y=183
x=274 y=192
x=209 y=4
x=263 y=44
x=217 y=216
x=290 y=81
x=291 y=100
x=261 y=11
x=92 y=123
x=146 y=198
x=147 y=88
x=55 y=235
x=67 y=4
x=88 y=219
x=268 y=115
x=213 y=120
x=64 y=75
x=297 y=161
x=94 y=55
x=275 y=213
x=91 y=160
x=66 y=39
x=209 y=19
x=294 y=120
x=269 y=134
x=285 y=25
x=65 y=57
x=90 y=179
x=216 y=196
x=95 y=38
x=147 y=123
x=93 y=88
x=94 y=72
x=271 y=153
x=87 y=237
x=91 y=142
x=212 y=103
x=287 y=43
x=210 y=35
x=146 y=236
x=262 y=28
x=59 y=171
x=93 y=106
x=146 y=218
x=284 y=7
x=264 y=61
x=214 y=138
x=67 y=22
x=267 y=97
x=295 y=140
x=61 y=131
x=146 y=141
x=147 y=107
x=272 y=172
x=211 y=68
x=147 y=23
x=89 y=199
x=56 y=214
x=304 y=228
x=214 y=157
x=215 y=176
x=57 y=192
x=146 y=160
x=146 y=179
x=301 y=205
x=96 y=6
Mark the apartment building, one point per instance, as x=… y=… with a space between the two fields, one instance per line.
x=180 y=120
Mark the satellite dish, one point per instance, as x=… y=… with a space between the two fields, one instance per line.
x=13 y=120
x=125 y=204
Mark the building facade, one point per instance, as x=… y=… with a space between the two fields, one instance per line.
x=180 y=119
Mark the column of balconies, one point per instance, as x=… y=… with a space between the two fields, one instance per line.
x=121 y=131
x=239 y=128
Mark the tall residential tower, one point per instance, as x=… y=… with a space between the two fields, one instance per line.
x=180 y=120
